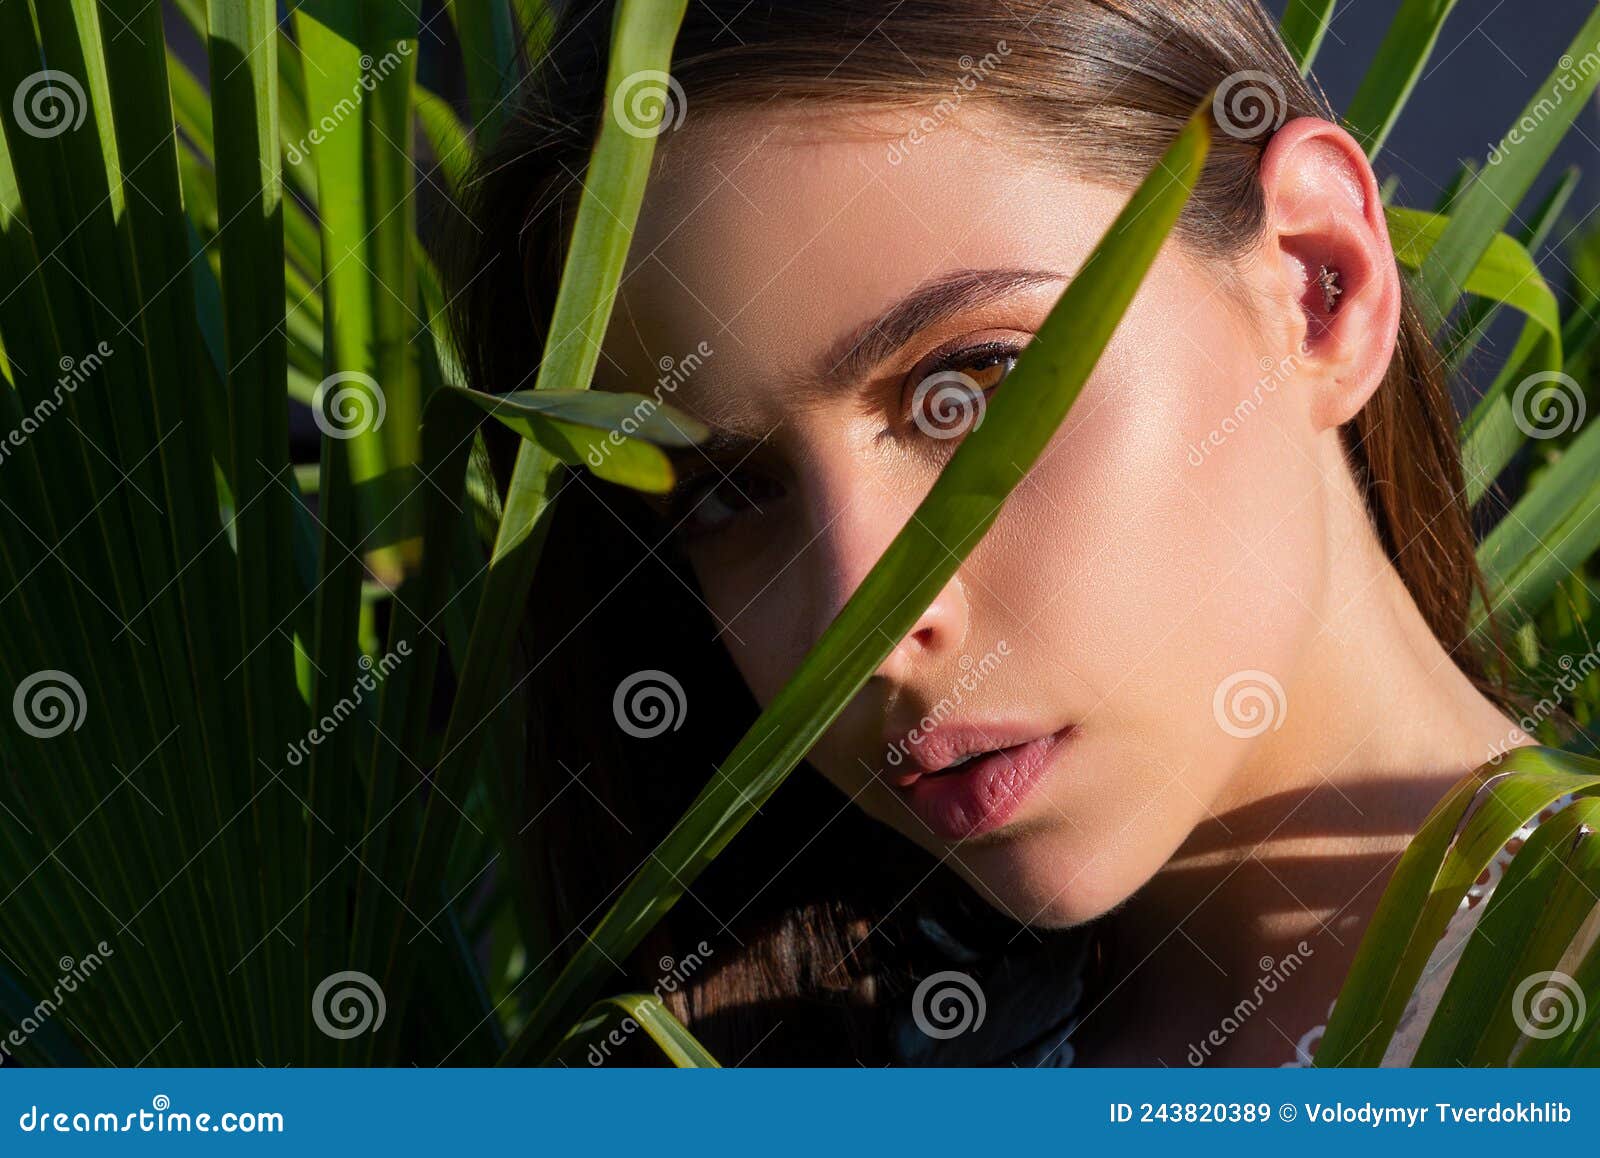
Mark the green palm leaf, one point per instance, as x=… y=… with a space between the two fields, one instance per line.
x=1529 y=920
x=1504 y=273
x=1304 y=26
x=610 y=1022
x=1433 y=876
x=1491 y=198
x=1395 y=70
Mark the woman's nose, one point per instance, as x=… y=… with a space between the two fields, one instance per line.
x=852 y=534
x=935 y=640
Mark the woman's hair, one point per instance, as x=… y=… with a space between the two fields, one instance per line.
x=812 y=914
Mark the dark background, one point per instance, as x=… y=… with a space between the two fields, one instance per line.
x=1491 y=58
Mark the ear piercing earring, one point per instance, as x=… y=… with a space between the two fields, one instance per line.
x=1328 y=279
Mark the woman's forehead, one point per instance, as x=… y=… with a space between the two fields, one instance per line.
x=767 y=240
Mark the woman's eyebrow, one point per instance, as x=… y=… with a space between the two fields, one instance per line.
x=855 y=354
x=721 y=444
x=725 y=443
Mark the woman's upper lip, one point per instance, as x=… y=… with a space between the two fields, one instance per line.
x=951 y=742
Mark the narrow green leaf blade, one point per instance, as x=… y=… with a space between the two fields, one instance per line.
x=447 y=137
x=1490 y=200
x=1433 y=874
x=589 y=1042
x=1304 y=26
x=1504 y=272
x=1481 y=314
x=1526 y=925
x=643 y=35
x=1550 y=531
x=1395 y=70
x=617 y=436
x=489 y=55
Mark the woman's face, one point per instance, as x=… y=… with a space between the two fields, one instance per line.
x=1173 y=535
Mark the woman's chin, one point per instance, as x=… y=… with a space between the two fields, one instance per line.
x=1040 y=883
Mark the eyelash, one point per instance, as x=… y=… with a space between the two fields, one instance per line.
x=990 y=353
x=694 y=491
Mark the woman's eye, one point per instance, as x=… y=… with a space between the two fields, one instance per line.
x=715 y=501
x=949 y=399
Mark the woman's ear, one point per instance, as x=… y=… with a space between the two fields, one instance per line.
x=1326 y=227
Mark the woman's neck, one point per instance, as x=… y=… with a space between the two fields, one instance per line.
x=1241 y=940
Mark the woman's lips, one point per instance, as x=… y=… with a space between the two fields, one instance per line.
x=959 y=800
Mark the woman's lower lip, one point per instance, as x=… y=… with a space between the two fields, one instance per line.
x=983 y=794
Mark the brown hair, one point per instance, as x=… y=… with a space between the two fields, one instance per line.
x=788 y=908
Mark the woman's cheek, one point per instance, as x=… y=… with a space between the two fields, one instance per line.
x=754 y=625
x=1143 y=581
